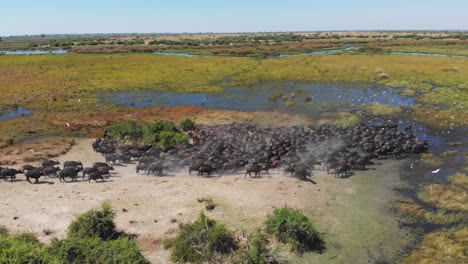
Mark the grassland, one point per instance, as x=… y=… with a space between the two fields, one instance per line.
x=70 y=83
x=56 y=82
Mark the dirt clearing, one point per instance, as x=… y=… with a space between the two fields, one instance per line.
x=350 y=212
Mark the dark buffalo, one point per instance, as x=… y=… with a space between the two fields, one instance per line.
x=51 y=171
x=155 y=169
x=71 y=172
x=256 y=169
x=105 y=170
x=95 y=175
x=50 y=163
x=204 y=169
x=100 y=164
x=72 y=163
x=27 y=167
x=35 y=174
x=88 y=170
x=6 y=172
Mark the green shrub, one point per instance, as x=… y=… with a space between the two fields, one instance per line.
x=126 y=130
x=94 y=223
x=82 y=245
x=23 y=248
x=95 y=250
x=187 y=124
x=159 y=126
x=292 y=227
x=163 y=133
x=158 y=133
x=200 y=241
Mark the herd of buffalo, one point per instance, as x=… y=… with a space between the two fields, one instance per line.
x=254 y=150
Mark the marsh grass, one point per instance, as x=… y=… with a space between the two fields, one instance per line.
x=438 y=49
x=430 y=159
x=440 y=117
x=415 y=213
x=381 y=109
x=460 y=180
x=340 y=118
x=444 y=197
x=56 y=82
x=448 y=246
x=446 y=96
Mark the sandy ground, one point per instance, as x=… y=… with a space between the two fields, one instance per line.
x=350 y=212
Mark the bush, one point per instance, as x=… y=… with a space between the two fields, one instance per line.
x=94 y=250
x=23 y=248
x=126 y=130
x=200 y=241
x=163 y=133
x=158 y=133
x=187 y=124
x=292 y=227
x=80 y=247
x=94 y=223
x=255 y=251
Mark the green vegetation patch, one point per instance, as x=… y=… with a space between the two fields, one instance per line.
x=255 y=250
x=128 y=130
x=94 y=223
x=441 y=247
x=187 y=124
x=446 y=96
x=459 y=179
x=415 y=213
x=94 y=250
x=294 y=228
x=92 y=238
x=382 y=110
x=200 y=241
x=158 y=133
x=444 y=197
x=340 y=118
x=23 y=248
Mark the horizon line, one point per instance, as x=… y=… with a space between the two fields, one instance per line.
x=237 y=32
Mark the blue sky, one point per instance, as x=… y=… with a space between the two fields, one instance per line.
x=19 y=17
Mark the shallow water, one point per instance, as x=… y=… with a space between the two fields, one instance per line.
x=181 y=54
x=13 y=113
x=32 y=52
x=290 y=97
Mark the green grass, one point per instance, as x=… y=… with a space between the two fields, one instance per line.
x=382 y=110
x=447 y=49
